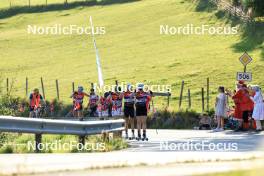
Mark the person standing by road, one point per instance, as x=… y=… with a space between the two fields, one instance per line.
x=93 y=102
x=35 y=102
x=142 y=106
x=129 y=110
x=78 y=100
x=247 y=106
x=237 y=96
x=258 y=112
x=220 y=108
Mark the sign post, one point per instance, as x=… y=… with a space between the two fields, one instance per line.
x=245 y=59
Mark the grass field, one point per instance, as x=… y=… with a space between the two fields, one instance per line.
x=25 y=143
x=132 y=50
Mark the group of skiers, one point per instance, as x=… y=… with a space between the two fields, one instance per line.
x=135 y=105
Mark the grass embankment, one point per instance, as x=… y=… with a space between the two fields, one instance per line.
x=24 y=143
x=132 y=50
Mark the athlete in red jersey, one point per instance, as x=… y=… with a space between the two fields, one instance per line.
x=129 y=110
x=142 y=107
x=35 y=102
x=93 y=102
x=78 y=102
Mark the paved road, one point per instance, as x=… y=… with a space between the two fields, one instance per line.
x=181 y=140
x=147 y=154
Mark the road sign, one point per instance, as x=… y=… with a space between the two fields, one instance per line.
x=244 y=76
x=245 y=59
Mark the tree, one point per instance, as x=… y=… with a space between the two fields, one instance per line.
x=256 y=5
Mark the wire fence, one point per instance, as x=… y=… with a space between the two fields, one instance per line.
x=184 y=95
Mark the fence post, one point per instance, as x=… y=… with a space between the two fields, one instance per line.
x=207 y=92
x=57 y=88
x=203 y=99
x=7 y=86
x=46 y=2
x=73 y=88
x=168 y=98
x=29 y=3
x=182 y=86
x=43 y=89
x=26 y=86
x=189 y=99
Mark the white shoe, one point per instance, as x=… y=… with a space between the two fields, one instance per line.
x=216 y=129
x=220 y=129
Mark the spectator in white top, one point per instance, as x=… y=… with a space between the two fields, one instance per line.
x=220 y=108
x=258 y=112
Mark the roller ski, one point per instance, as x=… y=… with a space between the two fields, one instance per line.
x=138 y=138
x=144 y=137
x=126 y=136
x=132 y=138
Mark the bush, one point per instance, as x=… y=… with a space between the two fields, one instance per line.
x=257 y=5
x=174 y=120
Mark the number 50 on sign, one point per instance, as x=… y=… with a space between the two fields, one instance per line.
x=244 y=76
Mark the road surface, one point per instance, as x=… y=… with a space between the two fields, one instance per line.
x=150 y=154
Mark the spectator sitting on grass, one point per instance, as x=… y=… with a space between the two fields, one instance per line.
x=205 y=122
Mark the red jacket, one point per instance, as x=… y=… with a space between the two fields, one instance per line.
x=237 y=100
x=246 y=103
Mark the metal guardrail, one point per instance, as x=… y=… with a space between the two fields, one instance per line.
x=49 y=126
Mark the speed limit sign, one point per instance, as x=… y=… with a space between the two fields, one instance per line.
x=244 y=76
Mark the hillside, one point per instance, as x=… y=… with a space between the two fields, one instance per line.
x=132 y=50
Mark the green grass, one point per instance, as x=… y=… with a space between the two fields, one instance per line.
x=6 y=3
x=24 y=143
x=132 y=50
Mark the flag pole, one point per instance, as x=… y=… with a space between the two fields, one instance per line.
x=98 y=62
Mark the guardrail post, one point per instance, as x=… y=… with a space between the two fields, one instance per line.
x=82 y=140
x=38 y=138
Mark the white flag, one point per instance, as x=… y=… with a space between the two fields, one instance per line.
x=98 y=63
